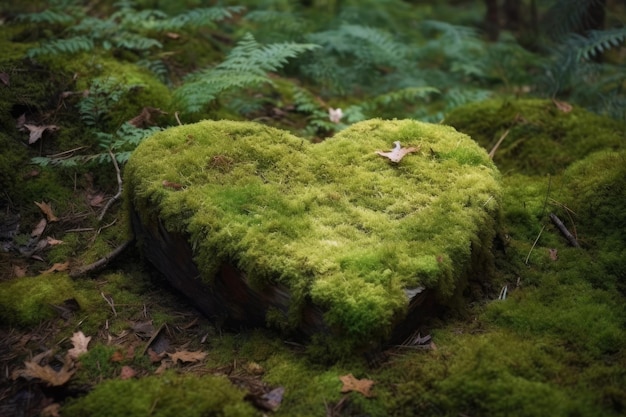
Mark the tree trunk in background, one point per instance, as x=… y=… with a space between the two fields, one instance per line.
x=492 y=23
x=513 y=14
x=594 y=16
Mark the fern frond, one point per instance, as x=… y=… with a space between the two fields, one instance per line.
x=48 y=16
x=135 y=42
x=245 y=66
x=203 y=17
x=62 y=46
x=597 y=42
x=280 y=23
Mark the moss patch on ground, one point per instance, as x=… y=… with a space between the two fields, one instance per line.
x=164 y=395
x=541 y=137
x=326 y=219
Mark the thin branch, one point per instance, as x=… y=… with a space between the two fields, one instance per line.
x=534 y=244
x=119 y=187
x=493 y=150
x=102 y=262
x=177 y=119
x=558 y=223
x=110 y=303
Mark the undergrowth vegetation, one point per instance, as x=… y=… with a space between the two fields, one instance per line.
x=82 y=84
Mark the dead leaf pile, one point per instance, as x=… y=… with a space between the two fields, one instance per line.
x=39 y=367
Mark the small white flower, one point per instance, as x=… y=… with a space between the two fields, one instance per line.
x=335 y=115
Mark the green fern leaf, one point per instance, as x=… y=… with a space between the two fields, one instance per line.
x=245 y=66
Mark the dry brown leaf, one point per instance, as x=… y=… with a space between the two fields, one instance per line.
x=554 y=254
x=47 y=210
x=35 y=132
x=172 y=35
x=96 y=200
x=4 y=77
x=397 y=153
x=144 y=118
x=19 y=123
x=350 y=383
x=127 y=372
x=52 y=410
x=38 y=230
x=52 y=241
x=172 y=185
x=45 y=373
x=117 y=356
x=58 y=267
x=80 y=342
x=163 y=367
x=564 y=106
x=19 y=271
x=187 y=356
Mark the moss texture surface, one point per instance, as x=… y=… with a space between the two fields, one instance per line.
x=541 y=138
x=334 y=222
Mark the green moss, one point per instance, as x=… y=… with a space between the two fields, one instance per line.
x=28 y=301
x=541 y=138
x=325 y=219
x=168 y=395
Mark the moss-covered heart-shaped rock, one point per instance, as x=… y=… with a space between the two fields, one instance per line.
x=257 y=225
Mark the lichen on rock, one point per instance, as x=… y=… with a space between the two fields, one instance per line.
x=337 y=227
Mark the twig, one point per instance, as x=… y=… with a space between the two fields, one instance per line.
x=119 y=187
x=177 y=119
x=558 y=223
x=493 y=150
x=534 y=244
x=110 y=303
x=101 y=263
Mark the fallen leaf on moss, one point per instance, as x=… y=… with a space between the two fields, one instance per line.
x=52 y=241
x=397 y=153
x=35 y=132
x=350 y=383
x=187 y=356
x=4 y=77
x=564 y=106
x=172 y=185
x=554 y=254
x=127 y=372
x=80 y=342
x=47 y=374
x=58 y=267
x=144 y=119
x=47 y=210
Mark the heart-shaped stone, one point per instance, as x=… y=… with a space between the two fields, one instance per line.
x=257 y=225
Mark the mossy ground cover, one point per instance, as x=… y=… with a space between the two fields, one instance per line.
x=553 y=346
x=555 y=343
x=326 y=219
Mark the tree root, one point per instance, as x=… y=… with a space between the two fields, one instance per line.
x=100 y=263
